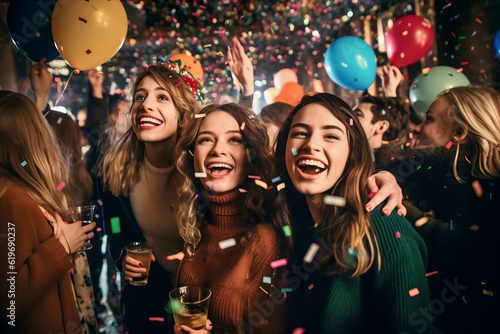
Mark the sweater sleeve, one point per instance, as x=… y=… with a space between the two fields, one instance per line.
x=400 y=287
x=267 y=302
x=34 y=260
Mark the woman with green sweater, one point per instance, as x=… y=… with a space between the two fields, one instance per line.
x=355 y=269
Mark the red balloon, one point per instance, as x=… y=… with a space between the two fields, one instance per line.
x=409 y=39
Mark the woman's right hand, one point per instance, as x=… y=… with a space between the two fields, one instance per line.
x=185 y=329
x=133 y=268
x=76 y=234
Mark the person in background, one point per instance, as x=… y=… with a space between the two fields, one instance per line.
x=32 y=198
x=228 y=146
x=451 y=185
x=367 y=273
x=273 y=115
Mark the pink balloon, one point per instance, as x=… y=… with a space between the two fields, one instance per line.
x=283 y=77
x=409 y=39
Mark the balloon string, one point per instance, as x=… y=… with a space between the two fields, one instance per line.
x=64 y=89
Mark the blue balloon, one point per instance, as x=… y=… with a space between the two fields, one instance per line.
x=496 y=43
x=30 y=28
x=350 y=62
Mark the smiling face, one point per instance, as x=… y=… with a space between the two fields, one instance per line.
x=154 y=116
x=436 y=130
x=321 y=145
x=220 y=152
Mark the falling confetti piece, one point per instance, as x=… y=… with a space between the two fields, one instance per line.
x=115 y=225
x=311 y=253
x=398 y=234
x=266 y=280
x=422 y=221
x=294 y=151
x=173 y=306
x=200 y=115
x=200 y=175
x=280 y=186
x=310 y=287
x=279 y=263
x=82 y=19
x=212 y=185
x=299 y=330
x=24 y=163
x=99 y=202
x=276 y=179
x=478 y=20
x=98 y=229
x=219 y=32
x=61 y=186
x=431 y=273
x=334 y=200
x=242 y=190
x=287 y=231
x=449 y=145
x=178 y=85
x=487 y=292
x=451 y=225
x=88 y=51
x=59 y=120
x=261 y=184
x=207 y=46
x=242 y=127
x=254 y=177
x=413 y=292
x=158 y=319
x=467 y=159
x=478 y=189
x=351 y=122
x=227 y=243
x=286 y=289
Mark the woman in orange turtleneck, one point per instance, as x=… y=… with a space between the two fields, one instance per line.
x=221 y=156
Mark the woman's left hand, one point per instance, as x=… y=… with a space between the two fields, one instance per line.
x=241 y=67
x=185 y=329
x=384 y=186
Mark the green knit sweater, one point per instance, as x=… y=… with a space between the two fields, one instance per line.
x=384 y=301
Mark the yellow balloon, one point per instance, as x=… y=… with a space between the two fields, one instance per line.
x=88 y=33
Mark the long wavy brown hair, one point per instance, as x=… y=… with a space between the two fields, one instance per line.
x=347 y=227
x=260 y=205
x=119 y=169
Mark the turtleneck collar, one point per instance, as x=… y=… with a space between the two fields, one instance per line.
x=222 y=206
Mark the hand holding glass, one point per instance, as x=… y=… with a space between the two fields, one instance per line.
x=85 y=214
x=140 y=251
x=190 y=306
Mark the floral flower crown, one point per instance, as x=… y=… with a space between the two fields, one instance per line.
x=194 y=85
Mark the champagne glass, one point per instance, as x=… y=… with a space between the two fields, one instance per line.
x=85 y=214
x=190 y=306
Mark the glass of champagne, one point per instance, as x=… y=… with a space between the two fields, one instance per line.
x=190 y=306
x=85 y=214
x=140 y=251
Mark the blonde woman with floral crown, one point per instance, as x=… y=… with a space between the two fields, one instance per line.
x=37 y=290
x=138 y=183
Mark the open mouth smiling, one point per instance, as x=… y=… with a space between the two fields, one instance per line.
x=148 y=121
x=309 y=166
x=219 y=169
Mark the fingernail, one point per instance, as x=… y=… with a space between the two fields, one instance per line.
x=140 y=264
x=386 y=212
x=400 y=213
x=369 y=208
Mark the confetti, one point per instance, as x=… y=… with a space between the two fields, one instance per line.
x=310 y=287
x=59 y=120
x=334 y=200
x=254 y=177
x=242 y=190
x=294 y=151
x=276 y=179
x=219 y=32
x=115 y=225
x=82 y=19
x=287 y=231
x=158 y=319
x=351 y=122
x=413 y=292
x=449 y=145
x=279 y=263
x=173 y=306
x=261 y=183
x=99 y=202
x=286 y=289
x=200 y=175
x=242 y=127
x=227 y=243
x=299 y=330
x=61 y=186
x=422 y=221
x=266 y=280
x=451 y=225
x=478 y=189
x=398 y=234
x=467 y=159
x=280 y=186
x=24 y=163
x=212 y=185
x=431 y=273
x=200 y=115
x=487 y=292
x=311 y=252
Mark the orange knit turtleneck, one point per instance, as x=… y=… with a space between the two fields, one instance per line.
x=235 y=274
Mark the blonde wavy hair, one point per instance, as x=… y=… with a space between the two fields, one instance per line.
x=261 y=205
x=119 y=169
x=475 y=110
x=344 y=228
x=29 y=153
